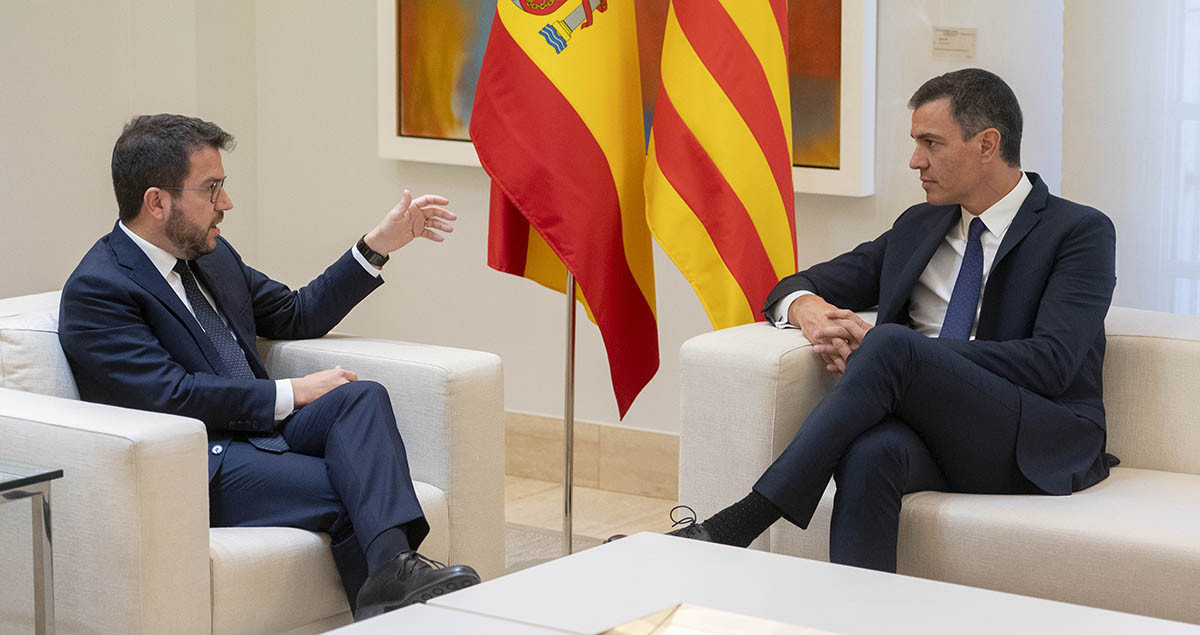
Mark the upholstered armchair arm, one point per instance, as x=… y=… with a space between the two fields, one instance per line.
x=129 y=516
x=744 y=392
x=449 y=405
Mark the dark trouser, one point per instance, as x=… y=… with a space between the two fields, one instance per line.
x=346 y=474
x=907 y=415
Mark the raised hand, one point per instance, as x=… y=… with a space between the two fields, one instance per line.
x=411 y=218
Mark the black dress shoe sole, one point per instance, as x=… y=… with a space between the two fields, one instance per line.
x=419 y=595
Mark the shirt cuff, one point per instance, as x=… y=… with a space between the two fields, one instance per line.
x=363 y=261
x=285 y=399
x=778 y=313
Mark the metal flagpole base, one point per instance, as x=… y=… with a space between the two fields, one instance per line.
x=569 y=417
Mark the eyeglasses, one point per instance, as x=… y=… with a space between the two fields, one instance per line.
x=214 y=190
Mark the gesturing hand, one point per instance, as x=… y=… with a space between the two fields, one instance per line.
x=411 y=218
x=309 y=388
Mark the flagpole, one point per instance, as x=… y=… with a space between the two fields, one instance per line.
x=569 y=416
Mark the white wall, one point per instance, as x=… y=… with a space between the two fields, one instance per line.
x=295 y=82
x=1115 y=74
x=71 y=75
x=321 y=186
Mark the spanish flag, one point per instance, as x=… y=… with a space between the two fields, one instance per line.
x=718 y=174
x=557 y=124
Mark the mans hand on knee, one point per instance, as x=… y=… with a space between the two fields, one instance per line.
x=309 y=388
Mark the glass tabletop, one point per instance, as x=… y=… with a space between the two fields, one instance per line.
x=13 y=474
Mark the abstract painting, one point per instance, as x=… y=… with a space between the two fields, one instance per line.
x=435 y=49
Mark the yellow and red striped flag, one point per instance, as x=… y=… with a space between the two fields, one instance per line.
x=557 y=124
x=718 y=175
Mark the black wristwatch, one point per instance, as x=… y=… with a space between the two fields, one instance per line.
x=371 y=256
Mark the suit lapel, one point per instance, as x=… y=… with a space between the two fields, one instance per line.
x=898 y=295
x=142 y=271
x=1027 y=216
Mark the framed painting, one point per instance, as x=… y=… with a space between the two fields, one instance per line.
x=430 y=52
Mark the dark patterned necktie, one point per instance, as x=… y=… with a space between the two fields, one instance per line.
x=960 y=313
x=227 y=347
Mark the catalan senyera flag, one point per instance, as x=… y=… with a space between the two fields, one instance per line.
x=718 y=172
x=557 y=124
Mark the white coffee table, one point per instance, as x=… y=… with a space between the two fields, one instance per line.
x=423 y=618
x=612 y=584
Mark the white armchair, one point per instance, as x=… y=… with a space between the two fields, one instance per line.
x=132 y=549
x=1129 y=543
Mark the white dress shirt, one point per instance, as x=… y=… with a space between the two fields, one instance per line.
x=164 y=262
x=931 y=295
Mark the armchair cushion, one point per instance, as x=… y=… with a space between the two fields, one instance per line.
x=30 y=357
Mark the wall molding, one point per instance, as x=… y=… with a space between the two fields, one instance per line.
x=607 y=457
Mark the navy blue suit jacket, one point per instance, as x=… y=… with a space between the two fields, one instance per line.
x=131 y=342
x=1041 y=324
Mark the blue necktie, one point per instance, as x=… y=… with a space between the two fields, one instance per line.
x=960 y=314
x=227 y=347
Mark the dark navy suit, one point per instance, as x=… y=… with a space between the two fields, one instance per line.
x=131 y=342
x=1016 y=410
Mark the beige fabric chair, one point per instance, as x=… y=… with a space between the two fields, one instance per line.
x=132 y=549
x=1131 y=543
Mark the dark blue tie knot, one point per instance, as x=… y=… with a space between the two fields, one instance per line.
x=975 y=230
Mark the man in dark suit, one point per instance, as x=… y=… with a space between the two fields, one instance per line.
x=983 y=371
x=162 y=314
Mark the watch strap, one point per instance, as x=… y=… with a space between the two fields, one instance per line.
x=370 y=255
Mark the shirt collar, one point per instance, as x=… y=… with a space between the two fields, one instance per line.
x=162 y=260
x=1000 y=215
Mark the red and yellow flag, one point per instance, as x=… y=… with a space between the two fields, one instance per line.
x=557 y=124
x=718 y=175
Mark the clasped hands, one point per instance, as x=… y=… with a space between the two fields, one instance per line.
x=833 y=332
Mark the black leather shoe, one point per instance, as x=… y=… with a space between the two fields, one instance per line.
x=693 y=531
x=690 y=529
x=408 y=579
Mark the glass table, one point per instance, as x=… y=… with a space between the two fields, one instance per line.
x=20 y=481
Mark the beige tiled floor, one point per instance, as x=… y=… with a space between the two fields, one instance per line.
x=595 y=513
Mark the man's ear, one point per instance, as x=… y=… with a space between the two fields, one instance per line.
x=989 y=145
x=155 y=202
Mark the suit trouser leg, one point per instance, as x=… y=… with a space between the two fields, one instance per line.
x=878 y=469
x=353 y=428
x=347 y=474
x=966 y=416
x=255 y=488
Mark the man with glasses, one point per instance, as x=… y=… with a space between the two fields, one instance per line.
x=162 y=314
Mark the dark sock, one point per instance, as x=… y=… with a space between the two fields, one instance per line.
x=385 y=547
x=742 y=522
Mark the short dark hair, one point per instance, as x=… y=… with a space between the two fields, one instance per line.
x=978 y=100
x=153 y=151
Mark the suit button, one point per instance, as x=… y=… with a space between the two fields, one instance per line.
x=216 y=449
